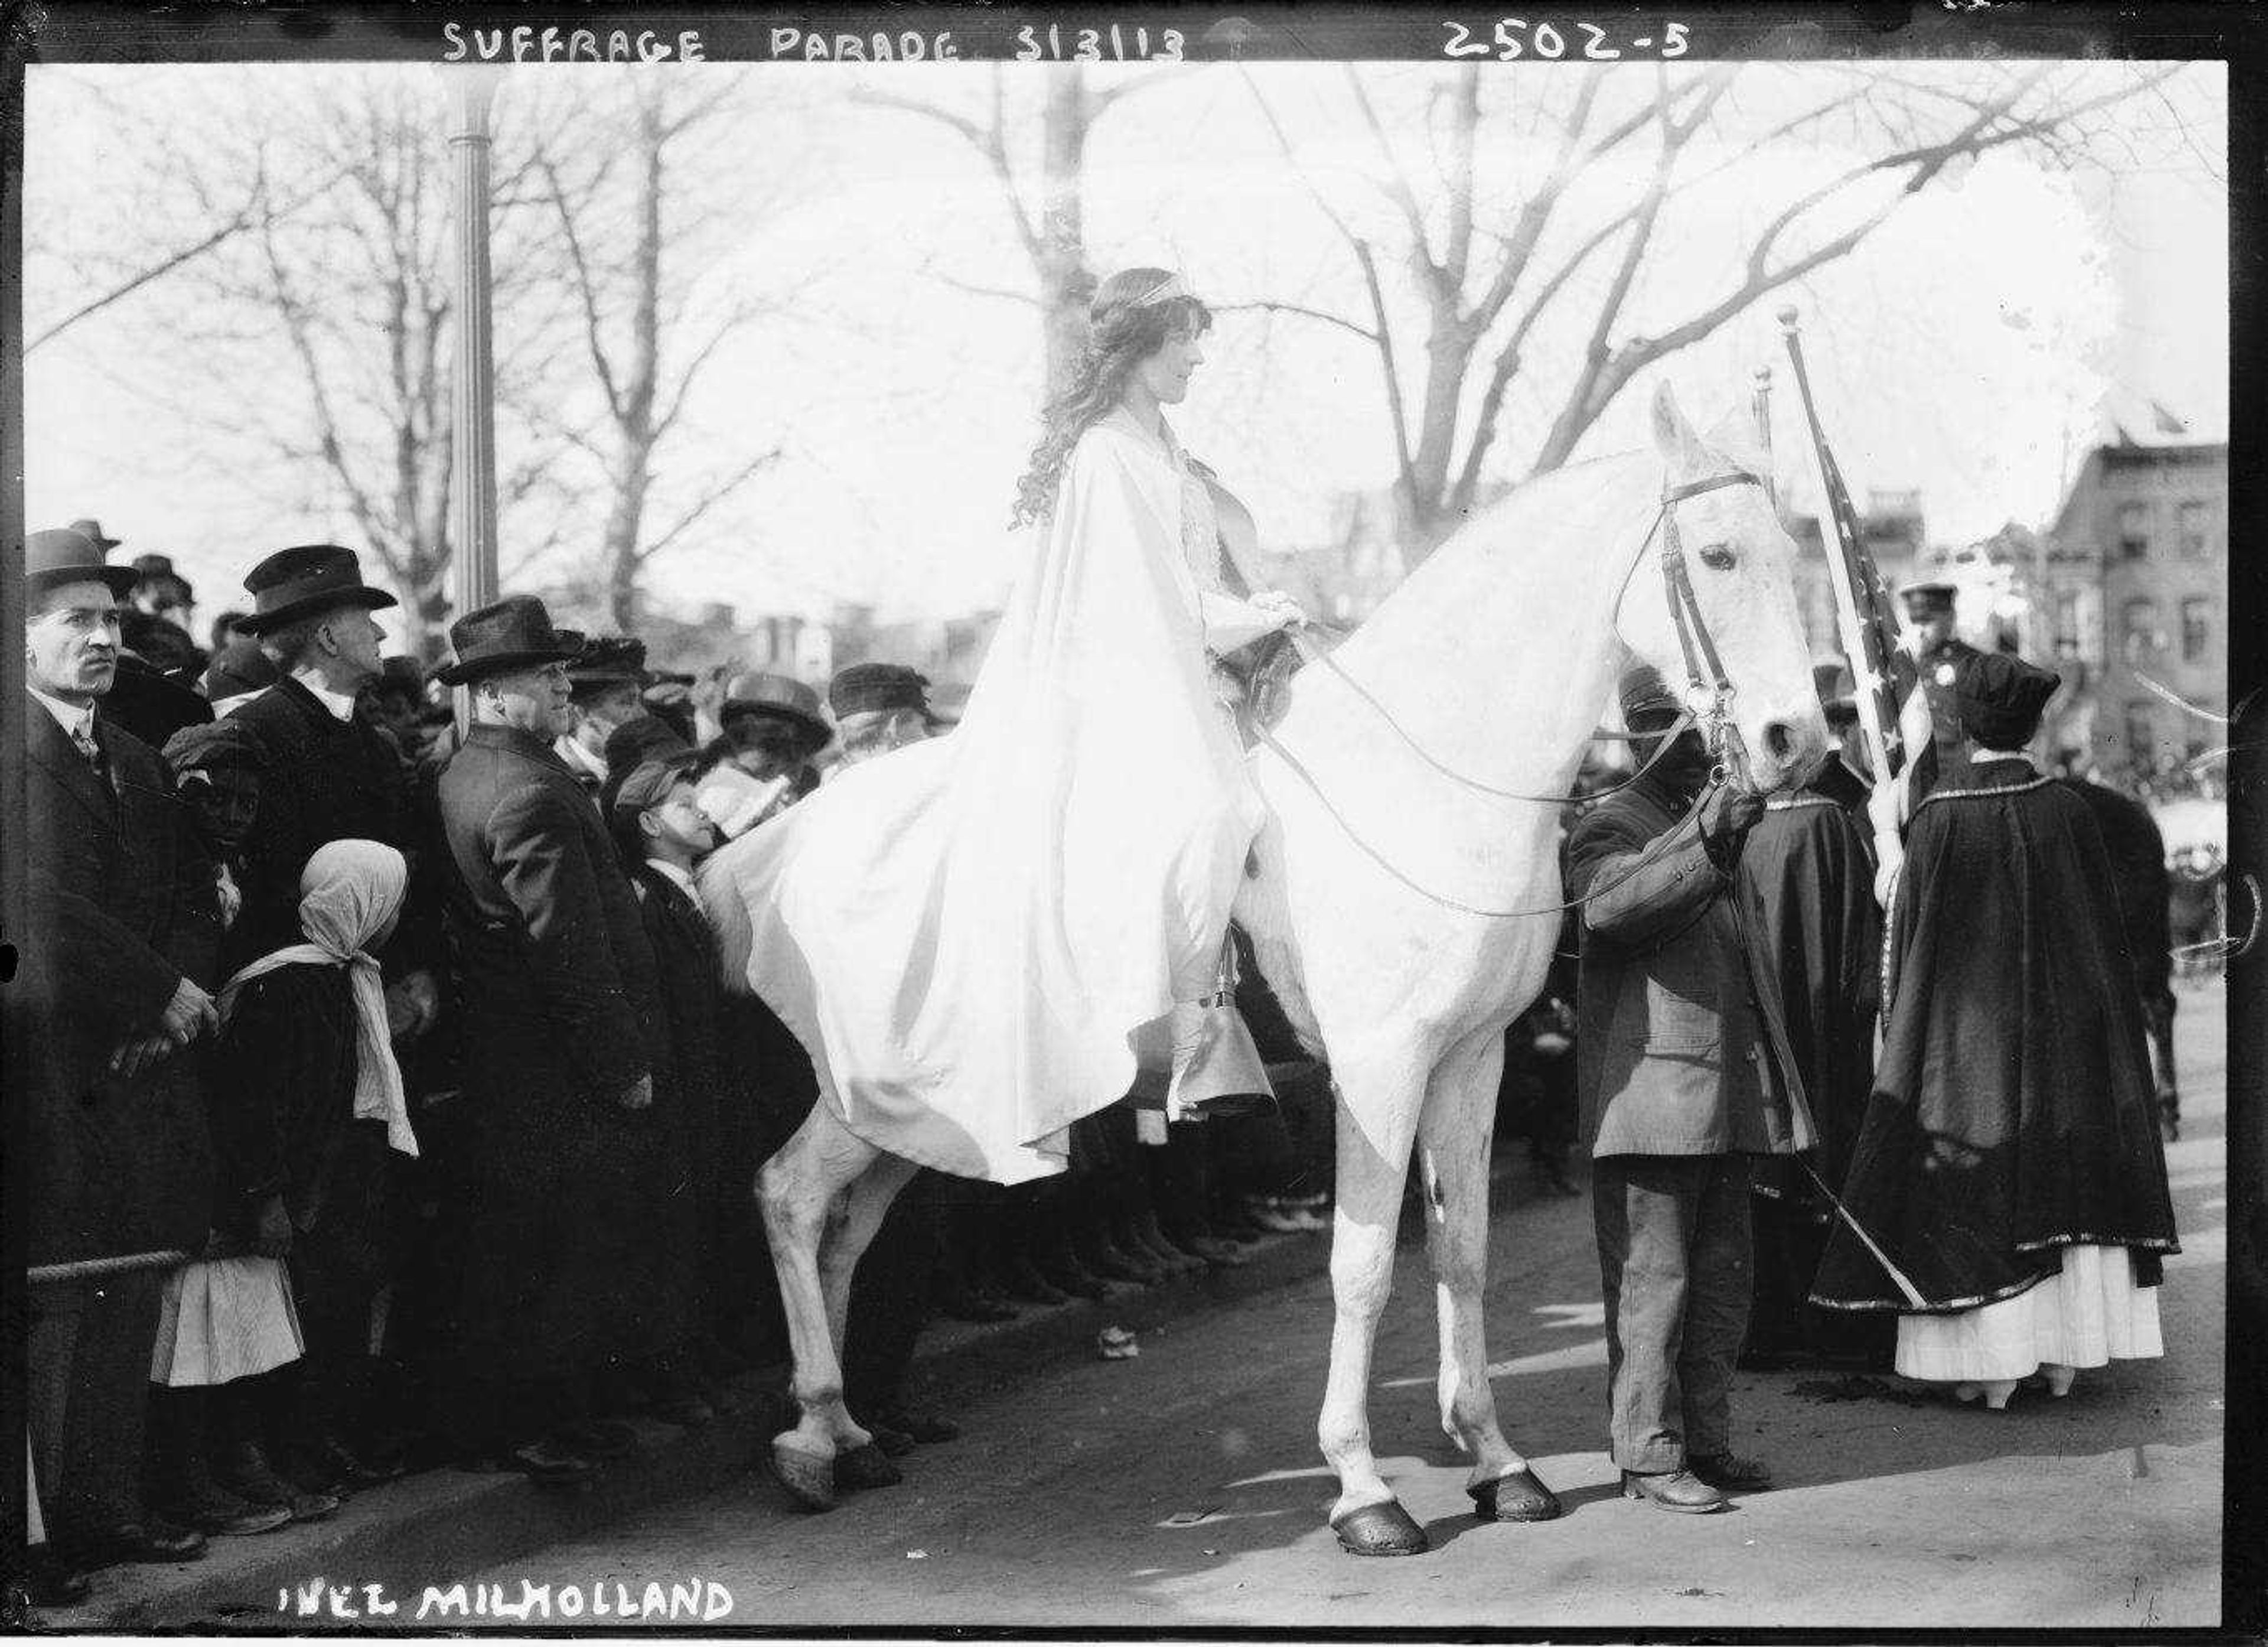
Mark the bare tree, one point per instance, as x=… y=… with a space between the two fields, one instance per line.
x=1046 y=202
x=1495 y=271
x=646 y=346
x=308 y=330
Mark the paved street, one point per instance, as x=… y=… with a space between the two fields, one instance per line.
x=1064 y=1504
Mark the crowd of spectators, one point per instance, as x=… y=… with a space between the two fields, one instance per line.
x=388 y=1110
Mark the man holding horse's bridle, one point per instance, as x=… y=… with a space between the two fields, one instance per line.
x=1681 y=1081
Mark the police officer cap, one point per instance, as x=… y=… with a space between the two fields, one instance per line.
x=2001 y=698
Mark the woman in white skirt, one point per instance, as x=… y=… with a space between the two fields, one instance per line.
x=2010 y=1169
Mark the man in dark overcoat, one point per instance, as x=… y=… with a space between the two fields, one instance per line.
x=331 y=774
x=1681 y=1080
x=122 y=1158
x=562 y=1158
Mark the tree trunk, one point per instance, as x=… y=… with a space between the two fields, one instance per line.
x=1065 y=281
x=634 y=414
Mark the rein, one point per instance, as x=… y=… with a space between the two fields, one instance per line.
x=1700 y=652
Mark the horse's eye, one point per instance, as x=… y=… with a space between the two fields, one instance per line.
x=1718 y=556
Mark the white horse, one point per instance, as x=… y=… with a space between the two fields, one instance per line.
x=1369 y=912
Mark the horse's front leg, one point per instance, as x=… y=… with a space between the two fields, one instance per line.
x=1374 y=1165
x=797 y=1190
x=1453 y=1135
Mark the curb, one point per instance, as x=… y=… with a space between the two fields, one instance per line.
x=446 y=1522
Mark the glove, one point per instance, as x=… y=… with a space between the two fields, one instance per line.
x=1728 y=814
x=638 y=1095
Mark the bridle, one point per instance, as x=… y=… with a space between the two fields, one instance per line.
x=1708 y=701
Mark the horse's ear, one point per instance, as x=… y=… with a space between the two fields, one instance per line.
x=1673 y=436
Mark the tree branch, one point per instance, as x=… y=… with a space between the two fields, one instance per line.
x=716 y=495
x=586 y=288
x=1273 y=307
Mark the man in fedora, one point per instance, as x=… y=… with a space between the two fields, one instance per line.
x=114 y=1121
x=553 y=1215
x=330 y=773
x=157 y=627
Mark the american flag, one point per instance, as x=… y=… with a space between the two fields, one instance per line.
x=1880 y=671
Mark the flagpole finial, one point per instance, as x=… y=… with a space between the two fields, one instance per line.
x=1788 y=317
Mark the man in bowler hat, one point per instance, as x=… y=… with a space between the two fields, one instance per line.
x=114 y=1123
x=554 y=1213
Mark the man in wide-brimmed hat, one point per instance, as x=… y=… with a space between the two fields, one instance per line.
x=331 y=776
x=561 y=1244
x=114 y=1129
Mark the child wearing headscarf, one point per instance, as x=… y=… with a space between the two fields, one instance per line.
x=307 y=1104
x=226 y=1318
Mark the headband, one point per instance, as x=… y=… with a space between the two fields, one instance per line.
x=1166 y=290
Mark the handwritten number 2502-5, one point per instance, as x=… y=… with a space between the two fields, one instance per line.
x=1548 y=42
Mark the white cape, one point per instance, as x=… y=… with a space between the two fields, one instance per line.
x=964 y=933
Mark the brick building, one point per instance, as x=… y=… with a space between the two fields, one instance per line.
x=2138 y=586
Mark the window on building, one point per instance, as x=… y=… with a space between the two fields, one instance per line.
x=2195 y=525
x=2134 y=531
x=2196 y=628
x=2066 y=623
x=2142 y=734
x=2140 y=628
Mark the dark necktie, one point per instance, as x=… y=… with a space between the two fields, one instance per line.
x=83 y=739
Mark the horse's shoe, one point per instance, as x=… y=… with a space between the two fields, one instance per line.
x=1384 y=1529
x=1518 y=1497
x=808 y=1478
x=864 y=1467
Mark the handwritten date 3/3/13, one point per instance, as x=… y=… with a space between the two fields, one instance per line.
x=1109 y=42
x=1513 y=37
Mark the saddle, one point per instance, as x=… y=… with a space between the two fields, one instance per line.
x=1256 y=678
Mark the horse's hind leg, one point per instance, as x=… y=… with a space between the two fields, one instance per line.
x=1374 y=1163
x=1454 y=1132
x=851 y=1226
x=797 y=1190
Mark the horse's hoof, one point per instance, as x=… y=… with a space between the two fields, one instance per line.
x=1518 y=1497
x=808 y=1478
x=864 y=1467
x=1383 y=1529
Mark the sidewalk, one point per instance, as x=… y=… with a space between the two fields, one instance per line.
x=443 y=1521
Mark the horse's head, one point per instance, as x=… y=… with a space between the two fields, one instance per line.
x=1741 y=565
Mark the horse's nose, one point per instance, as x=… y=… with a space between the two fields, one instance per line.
x=1779 y=739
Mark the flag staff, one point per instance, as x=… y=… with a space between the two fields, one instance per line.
x=1861 y=621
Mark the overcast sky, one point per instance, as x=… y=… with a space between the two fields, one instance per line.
x=1965 y=350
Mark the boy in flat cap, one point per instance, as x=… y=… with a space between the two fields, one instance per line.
x=2009 y=1165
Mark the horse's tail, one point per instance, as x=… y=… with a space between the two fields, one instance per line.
x=726 y=906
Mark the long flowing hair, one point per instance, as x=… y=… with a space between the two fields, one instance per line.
x=1122 y=332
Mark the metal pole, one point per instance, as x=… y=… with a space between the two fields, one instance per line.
x=472 y=477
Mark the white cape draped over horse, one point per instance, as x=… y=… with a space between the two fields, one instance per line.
x=963 y=933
